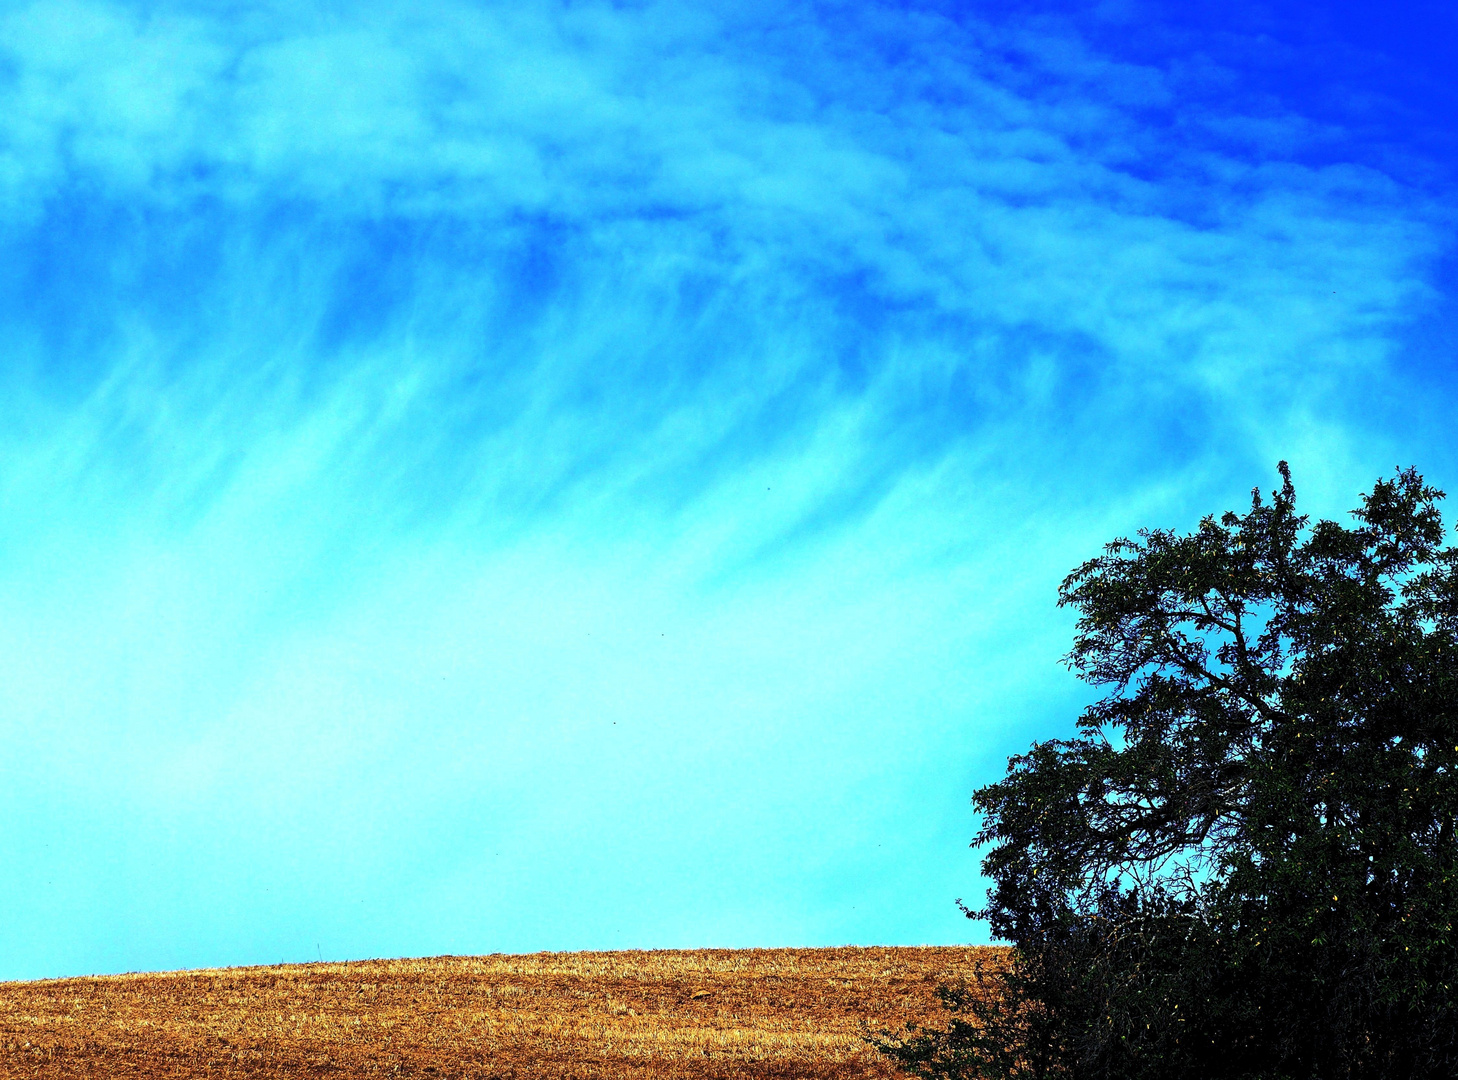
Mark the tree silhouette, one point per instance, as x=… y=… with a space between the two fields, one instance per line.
x=1244 y=864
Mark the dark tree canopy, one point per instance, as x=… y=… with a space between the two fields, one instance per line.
x=1244 y=864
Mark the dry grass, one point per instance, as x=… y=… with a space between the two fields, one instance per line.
x=705 y=1013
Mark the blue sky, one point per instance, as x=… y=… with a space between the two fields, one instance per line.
x=487 y=478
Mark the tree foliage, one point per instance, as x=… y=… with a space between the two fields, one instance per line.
x=1244 y=864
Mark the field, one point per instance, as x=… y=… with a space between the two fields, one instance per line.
x=712 y=1013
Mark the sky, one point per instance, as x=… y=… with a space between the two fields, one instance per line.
x=491 y=477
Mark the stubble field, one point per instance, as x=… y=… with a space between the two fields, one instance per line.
x=710 y=1013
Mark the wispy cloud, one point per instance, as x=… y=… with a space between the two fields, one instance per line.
x=484 y=477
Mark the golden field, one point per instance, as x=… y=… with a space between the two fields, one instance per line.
x=708 y=1013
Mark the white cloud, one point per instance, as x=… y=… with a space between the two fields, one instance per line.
x=366 y=365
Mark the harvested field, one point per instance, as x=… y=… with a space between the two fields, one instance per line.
x=710 y=1013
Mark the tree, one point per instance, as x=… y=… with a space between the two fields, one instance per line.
x=1244 y=864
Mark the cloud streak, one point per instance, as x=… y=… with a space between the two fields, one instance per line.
x=487 y=478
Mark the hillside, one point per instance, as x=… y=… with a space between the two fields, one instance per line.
x=702 y=1013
